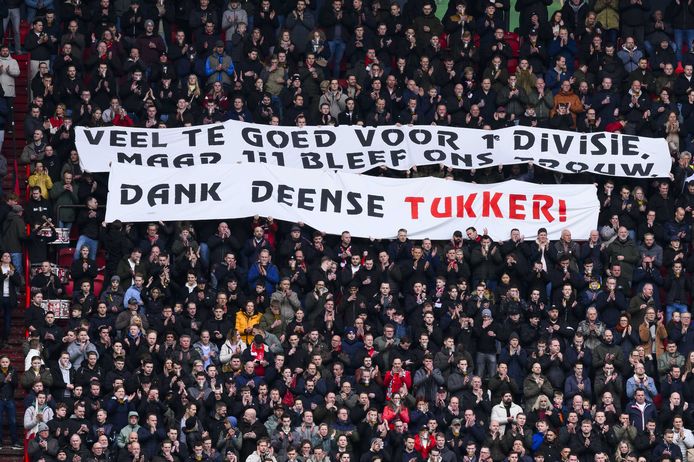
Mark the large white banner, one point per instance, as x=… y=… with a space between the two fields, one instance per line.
x=334 y=202
x=359 y=149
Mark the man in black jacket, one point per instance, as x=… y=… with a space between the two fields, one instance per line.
x=89 y=222
x=38 y=45
x=8 y=383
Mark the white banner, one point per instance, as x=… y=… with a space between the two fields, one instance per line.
x=335 y=202
x=357 y=149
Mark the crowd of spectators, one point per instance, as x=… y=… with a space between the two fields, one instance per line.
x=257 y=340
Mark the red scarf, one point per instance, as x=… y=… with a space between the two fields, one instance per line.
x=259 y=353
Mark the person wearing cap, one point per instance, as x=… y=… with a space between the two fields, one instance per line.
x=133 y=425
x=150 y=44
x=113 y=295
x=485 y=330
x=532 y=14
x=44 y=445
x=129 y=316
x=164 y=72
x=232 y=17
x=295 y=241
x=555 y=325
x=219 y=66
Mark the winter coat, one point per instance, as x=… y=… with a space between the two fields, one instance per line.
x=13 y=233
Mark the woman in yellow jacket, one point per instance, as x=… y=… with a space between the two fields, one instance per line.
x=41 y=179
x=245 y=320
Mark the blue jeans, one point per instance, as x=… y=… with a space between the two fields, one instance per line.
x=337 y=51
x=31 y=14
x=672 y=307
x=13 y=16
x=18 y=262
x=7 y=406
x=486 y=365
x=89 y=242
x=683 y=36
x=205 y=254
x=65 y=224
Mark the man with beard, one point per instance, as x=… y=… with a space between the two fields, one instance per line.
x=505 y=412
x=608 y=353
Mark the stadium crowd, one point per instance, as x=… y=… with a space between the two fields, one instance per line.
x=256 y=340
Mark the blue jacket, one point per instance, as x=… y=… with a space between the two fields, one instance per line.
x=118 y=413
x=568 y=51
x=649 y=388
x=639 y=419
x=271 y=278
x=47 y=4
x=225 y=75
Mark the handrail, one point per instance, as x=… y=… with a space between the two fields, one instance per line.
x=27 y=194
x=16 y=178
x=75 y=206
x=27 y=272
x=27 y=282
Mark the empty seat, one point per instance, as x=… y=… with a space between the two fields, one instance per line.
x=65 y=257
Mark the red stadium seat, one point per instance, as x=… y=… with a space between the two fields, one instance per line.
x=98 y=284
x=513 y=41
x=65 y=257
x=69 y=288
